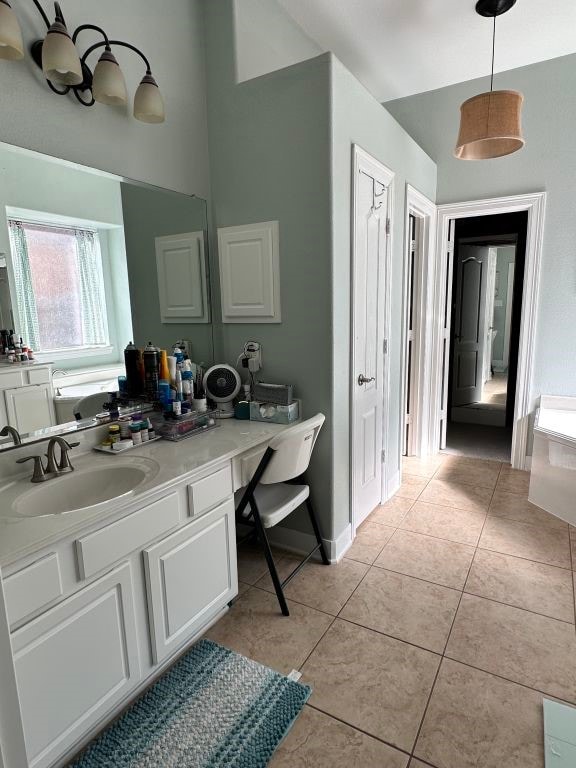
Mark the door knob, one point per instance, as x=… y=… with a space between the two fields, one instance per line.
x=365 y=380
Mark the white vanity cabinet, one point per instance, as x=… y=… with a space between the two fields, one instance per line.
x=190 y=575
x=26 y=397
x=96 y=616
x=74 y=663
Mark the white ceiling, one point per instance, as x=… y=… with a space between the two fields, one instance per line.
x=400 y=47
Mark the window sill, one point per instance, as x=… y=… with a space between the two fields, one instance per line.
x=72 y=353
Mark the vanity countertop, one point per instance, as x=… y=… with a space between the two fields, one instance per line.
x=21 y=536
x=6 y=366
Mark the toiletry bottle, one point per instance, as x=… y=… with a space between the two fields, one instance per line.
x=164 y=371
x=132 y=365
x=135 y=432
x=179 y=385
x=151 y=372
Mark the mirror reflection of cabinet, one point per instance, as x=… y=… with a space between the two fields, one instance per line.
x=26 y=398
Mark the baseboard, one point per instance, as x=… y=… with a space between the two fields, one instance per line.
x=392 y=485
x=301 y=543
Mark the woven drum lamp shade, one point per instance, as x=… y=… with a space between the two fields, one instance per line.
x=490 y=126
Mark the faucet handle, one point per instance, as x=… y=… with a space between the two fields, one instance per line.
x=39 y=474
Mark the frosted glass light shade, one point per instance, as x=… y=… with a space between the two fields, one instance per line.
x=108 y=84
x=490 y=126
x=11 y=45
x=148 y=101
x=60 y=60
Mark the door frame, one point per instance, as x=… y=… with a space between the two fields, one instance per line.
x=424 y=210
x=363 y=161
x=535 y=205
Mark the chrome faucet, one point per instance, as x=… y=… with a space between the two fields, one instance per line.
x=39 y=475
x=14 y=434
x=64 y=463
x=52 y=469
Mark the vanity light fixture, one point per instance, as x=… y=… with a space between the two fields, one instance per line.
x=67 y=71
x=11 y=45
x=491 y=122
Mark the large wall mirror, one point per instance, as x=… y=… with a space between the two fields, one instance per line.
x=88 y=263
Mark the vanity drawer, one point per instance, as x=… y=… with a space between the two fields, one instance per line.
x=32 y=588
x=105 y=547
x=207 y=493
x=38 y=376
x=10 y=379
x=245 y=465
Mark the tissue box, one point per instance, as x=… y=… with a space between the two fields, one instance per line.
x=277 y=414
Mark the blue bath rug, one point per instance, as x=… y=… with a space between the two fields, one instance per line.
x=212 y=709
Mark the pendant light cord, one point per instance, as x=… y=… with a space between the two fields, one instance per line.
x=493 y=50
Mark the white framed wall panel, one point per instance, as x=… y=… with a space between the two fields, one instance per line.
x=249 y=258
x=182 y=279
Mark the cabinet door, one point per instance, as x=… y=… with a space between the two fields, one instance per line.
x=30 y=408
x=190 y=576
x=182 y=283
x=74 y=663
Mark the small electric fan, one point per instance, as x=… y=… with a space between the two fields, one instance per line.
x=222 y=384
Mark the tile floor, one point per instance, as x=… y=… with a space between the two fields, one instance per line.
x=436 y=638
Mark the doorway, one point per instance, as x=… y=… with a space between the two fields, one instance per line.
x=519 y=398
x=486 y=305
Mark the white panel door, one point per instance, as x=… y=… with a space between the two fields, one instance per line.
x=30 y=408
x=249 y=258
x=492 y=260
x=74 y=663
x=368 y=297
x=182 y=281
x=470 y=324
x=190 y=576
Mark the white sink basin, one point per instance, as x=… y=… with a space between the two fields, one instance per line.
x=84 y=488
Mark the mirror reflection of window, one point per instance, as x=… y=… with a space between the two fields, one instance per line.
x=60 y=297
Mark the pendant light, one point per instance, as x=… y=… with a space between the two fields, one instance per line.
x=60 y=60
x=11 y=45
x=490 y=123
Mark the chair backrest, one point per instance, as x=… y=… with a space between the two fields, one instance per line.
x=292 y=450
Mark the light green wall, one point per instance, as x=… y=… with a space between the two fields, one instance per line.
x=280 y=148
x=270 y=160
x=357 y=118
x=546 y=163
x=151 y=213
x=267 y=39
x=505 y=256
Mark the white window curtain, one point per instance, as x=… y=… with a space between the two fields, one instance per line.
x=94 y=326
x=25 y=301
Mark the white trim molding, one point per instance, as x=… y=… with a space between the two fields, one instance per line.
x=535 y=205
x=425 y=212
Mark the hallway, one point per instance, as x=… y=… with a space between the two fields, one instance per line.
x=437 y=635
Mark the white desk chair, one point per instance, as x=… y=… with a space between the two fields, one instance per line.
x=269 y=497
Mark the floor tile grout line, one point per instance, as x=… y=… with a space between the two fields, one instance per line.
x=509 y=680
x=518 y=607
x=328 y=628
x=357 y=728
x=388 y=635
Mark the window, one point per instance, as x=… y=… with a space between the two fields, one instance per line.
x=60 y=298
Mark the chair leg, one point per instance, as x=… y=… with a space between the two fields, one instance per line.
x=316 y=529
x=269 y=559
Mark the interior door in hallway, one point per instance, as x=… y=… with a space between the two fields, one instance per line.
x=370 y=274
x=470 y=324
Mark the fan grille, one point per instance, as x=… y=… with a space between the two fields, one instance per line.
x=221 y=382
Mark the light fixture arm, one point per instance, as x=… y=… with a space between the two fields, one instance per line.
x=42 y=13
x=93 y=27
x=122 y=44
